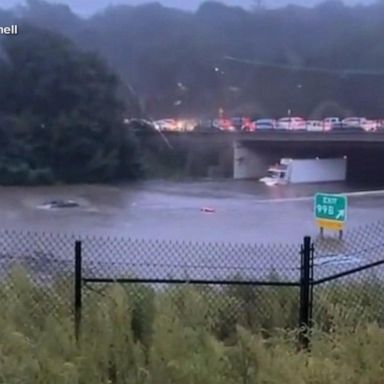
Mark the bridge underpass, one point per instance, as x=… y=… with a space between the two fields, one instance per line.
x=252 y=158
x=248 y=155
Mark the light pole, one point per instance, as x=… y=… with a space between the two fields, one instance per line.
x=289 y=118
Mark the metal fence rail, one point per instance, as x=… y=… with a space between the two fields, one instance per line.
x=182 y=260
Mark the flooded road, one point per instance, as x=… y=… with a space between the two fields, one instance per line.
x=244 y=211
x=253 y=230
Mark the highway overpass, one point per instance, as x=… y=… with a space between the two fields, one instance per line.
x=283 y=136
x=248 y=155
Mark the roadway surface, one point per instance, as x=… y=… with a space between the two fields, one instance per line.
x=253 y=230
x=284 y=135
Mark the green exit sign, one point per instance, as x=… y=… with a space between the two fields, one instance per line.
x=331 y=207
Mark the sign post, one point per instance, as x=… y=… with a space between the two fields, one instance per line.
x=330 y=212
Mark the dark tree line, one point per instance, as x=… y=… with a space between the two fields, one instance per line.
x=60 y=117
x=166 y=58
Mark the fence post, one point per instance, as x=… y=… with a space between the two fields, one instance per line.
x=306 y=288
x=78 y=287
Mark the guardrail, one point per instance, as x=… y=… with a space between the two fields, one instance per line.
x=277 y=131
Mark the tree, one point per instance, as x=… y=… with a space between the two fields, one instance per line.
x=60 y=112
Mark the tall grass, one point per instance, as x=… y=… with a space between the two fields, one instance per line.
x=135 y=334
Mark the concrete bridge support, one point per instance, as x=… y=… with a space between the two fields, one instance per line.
x=248 y=162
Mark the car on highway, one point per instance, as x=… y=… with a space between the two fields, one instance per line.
x=262 y=124
x=314 y=126
x=248 y=125
x=291 y=123
x=207 y=126
x=166 y=125
x=362 y=122
x=329 y=122
x=141 y=125
x=344 y=127
x=370 y=125
x=185 y=125
x=237 y=123
x=380 y=125
x=224 y=125
x=353 y=121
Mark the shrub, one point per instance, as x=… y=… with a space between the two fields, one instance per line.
x=140 y=334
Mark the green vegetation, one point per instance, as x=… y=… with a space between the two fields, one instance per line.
x=60 y=116
x=133 y=334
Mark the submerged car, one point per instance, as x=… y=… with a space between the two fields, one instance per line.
x=61 y=204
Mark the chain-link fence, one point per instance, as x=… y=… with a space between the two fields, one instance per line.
x=349 y=277
x=239 y=283
x=254 y=285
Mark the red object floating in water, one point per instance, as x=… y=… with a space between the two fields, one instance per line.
x=207 y=210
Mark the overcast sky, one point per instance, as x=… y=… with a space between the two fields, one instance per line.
x=87 y=7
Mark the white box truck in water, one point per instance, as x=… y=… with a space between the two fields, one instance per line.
x=306 y=171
